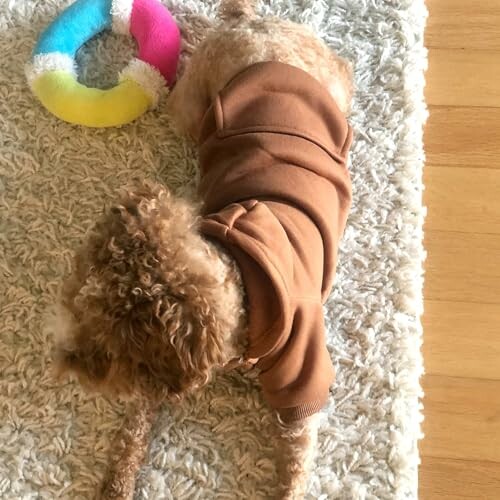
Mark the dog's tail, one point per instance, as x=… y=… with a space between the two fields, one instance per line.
x=233 y=10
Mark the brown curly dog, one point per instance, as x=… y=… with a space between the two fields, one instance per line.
x=165 y=291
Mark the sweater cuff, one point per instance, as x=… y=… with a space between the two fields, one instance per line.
x=300 y=412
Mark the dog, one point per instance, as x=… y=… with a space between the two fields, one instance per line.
x=166 y=291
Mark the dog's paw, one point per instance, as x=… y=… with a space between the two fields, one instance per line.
x=115 y=489
x=290 y=494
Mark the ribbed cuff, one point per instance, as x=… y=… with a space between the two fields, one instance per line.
x=300 y=412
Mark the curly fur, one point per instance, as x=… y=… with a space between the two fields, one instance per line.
x=152 y=309
x=153 y=305
x=297 y=444
x=128 y=454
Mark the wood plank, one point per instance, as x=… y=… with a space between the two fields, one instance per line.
x=462 y=199
x=446 y=479
x=463 y=137
x=461 y=449
x=462 y=267
x=462 y=339
x=462 y=418
x=463 y=78
x=463 y=24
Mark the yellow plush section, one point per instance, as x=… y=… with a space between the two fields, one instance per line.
x=75 y=103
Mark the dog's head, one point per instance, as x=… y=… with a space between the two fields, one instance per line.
x=150 y=305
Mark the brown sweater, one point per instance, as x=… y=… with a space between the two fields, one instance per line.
x=273 y=150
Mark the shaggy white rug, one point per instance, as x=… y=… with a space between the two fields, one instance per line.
x=54 y=180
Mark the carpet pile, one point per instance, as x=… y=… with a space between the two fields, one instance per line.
x=54 y=180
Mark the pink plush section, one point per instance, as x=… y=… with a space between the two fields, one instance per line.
x=157 y=36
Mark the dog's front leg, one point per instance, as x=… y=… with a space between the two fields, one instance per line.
x=296 y=449
x=128 y=451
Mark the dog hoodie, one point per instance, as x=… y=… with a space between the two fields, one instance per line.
x=273 y=149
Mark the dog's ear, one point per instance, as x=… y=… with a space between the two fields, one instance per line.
x=174 y=340
x=91 y=368
x=76 y=350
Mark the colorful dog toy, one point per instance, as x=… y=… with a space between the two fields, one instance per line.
x=52 y=73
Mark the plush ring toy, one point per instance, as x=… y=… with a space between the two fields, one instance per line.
x=52 y=73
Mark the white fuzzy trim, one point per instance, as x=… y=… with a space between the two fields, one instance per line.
x=147 y=76
x=53 y=61
x=121 y=10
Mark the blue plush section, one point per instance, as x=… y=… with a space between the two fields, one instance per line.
x=75 y=26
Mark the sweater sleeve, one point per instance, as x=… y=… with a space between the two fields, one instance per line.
x=286 y=334
x=297 y=377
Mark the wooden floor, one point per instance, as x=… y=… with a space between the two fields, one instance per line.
x=461 y=449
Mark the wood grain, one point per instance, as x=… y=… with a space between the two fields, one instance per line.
x=462 y=267
x=447 y=479
x=462 y=199
x=462 y=418
x=460 y=453
x=463 y=77
x=463 y=24
x=463 y=137
x=461 y=339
